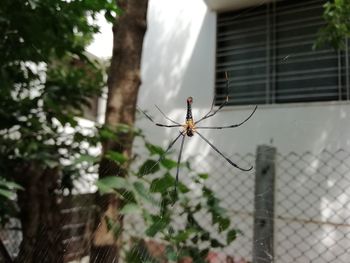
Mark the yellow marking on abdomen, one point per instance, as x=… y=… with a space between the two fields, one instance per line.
x=190 y=123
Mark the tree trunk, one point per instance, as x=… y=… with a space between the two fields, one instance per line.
x=123 y=85
x=40 y=216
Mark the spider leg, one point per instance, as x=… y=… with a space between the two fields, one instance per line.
x=166 y=151
x=166 y=117
x=178 y=163
x=227 y=159
x=157 y=123
x=229 y=126
x=211 y=113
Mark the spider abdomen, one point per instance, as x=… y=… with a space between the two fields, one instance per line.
x=189 y=132
x=189 y=127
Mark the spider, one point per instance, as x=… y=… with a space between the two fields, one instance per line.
x=190 y=128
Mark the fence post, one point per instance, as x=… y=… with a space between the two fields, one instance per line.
x=264 y=205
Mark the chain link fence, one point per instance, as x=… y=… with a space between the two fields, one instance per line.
x=311 y=208
x=236 y=191
x=311 y=217
x=77 y=222
x=312 y=221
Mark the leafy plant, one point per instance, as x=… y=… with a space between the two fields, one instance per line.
x=7 y=189
x=337 y=28
x=148 y=193
x=7 y=195
x=47 y=80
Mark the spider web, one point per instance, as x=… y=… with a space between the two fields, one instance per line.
x=236 y=190
x=198 y=163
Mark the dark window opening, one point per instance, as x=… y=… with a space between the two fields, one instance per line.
x=268 y=53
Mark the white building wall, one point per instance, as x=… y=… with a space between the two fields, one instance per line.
x=179 y=61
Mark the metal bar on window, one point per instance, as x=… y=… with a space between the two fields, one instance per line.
x=308 y=71
x=257 y=28
x=231 y=50
x=347 y=68
x=301 y=4
x=274 y=55
x=302 y=96
x=232 y=21
x=284 y=91
x=310 y=77
x=339 y=76
x=268 y=32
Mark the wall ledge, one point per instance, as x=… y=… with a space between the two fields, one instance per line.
x=226 y=5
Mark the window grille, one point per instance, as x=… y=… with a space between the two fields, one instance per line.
x=267 y=52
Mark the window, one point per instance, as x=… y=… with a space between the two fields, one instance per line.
x=267 y=51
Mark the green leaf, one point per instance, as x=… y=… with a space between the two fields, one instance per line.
x=32 y=146
x=216 y=243
x=11 y=185
x=198 y=207
x=109 y=17
x=205 y=236
x=184 y=235
x=168 y=163
x=107 y=134
x=85 y=158
x=161 y=185
x=131 y=208
x=51 y=163
x=147 y=216
x=124 y=128
x=153 y=149
x=207 y=192
x=118 y=157
x=183 y=188
x=195 y=239
x=224 y=223
x=188 y=165
x=32 y=3
x=104 y=189
x=144 y=193
x=203 y=176
x=108 y=184
x=113 y=226
x=231 y=235
x=119 y=11
x=157 y=226
x=129 y=196
x=6 y=193
x=149 y=167
x=191 y=221
x=204 y=253
x=170 y=253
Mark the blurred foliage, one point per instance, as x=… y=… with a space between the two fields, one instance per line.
x=337 y=30
x=46 y=80
x=148 y=193
x=7 y=195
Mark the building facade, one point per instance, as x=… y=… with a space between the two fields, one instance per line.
x=303 y=111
